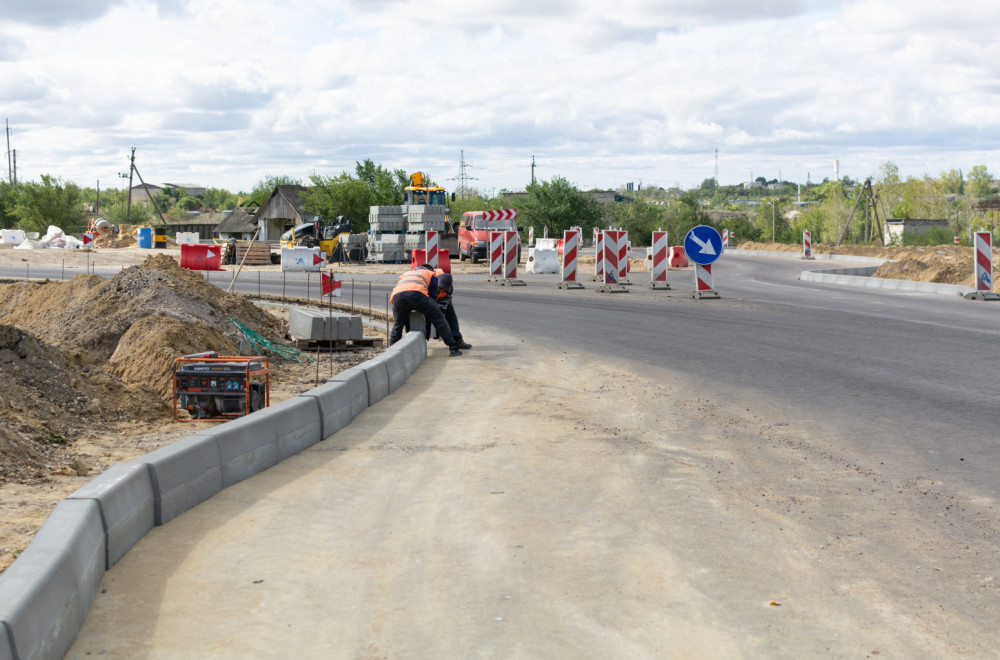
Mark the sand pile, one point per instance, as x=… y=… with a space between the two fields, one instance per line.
x=90 y=349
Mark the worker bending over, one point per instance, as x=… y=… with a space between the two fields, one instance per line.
x=416 y=291
x=446 y=301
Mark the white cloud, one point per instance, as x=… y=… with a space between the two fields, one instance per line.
x=600 y=93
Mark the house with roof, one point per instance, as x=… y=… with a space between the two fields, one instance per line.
x=238 y=223
x=283 y=209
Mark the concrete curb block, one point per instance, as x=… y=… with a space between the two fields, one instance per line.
x=335 y=403
x=248 y=445
x=861 y=278
x=185 y=474
x=45 y=594
x=378 y=379
x=124 y=496
x=798 y=255
x=298 y=425
x=357 y=384
x=395 y=364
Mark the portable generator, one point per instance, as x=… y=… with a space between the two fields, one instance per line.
x=214 y=388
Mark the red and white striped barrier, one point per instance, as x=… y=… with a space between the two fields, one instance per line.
x=984 y=261
x=597 y=236
x=623 y=249
x=431 y=247
x=725 y=238
x=545 y=231
x=807 y=244
x=658 y=268
x=496 y=255
x=598 y=256
x=531 y=236
x=500 y=214
x=572 y=238
x=611 y=258
x=511 y=243
x=703 y=279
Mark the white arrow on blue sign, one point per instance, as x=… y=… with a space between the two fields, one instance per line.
x=703 y=245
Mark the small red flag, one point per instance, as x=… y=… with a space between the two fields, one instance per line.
x=331 y=284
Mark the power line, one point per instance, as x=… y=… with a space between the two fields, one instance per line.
x=463 y=177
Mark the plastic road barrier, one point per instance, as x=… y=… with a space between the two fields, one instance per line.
x=531 y=236
x=623 y=250
x=418 y=257
x=201 y=257
x=598 y=255
x=725 y=238
x=571 y=248
x=984 y=261
x=510 y=242
x=807 y=244
x=658 y=269
x=677 y=257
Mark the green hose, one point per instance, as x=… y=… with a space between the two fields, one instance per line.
x=261 y=346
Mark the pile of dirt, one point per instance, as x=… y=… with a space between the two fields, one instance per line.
x=90 y=351
x=945 y=264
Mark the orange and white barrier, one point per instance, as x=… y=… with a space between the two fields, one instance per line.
x=658 y=267
x=431 y=248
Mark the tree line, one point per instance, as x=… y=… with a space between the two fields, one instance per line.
x=771 y=209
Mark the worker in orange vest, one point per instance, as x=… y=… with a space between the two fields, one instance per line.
x=445 y=300
x=417 y=291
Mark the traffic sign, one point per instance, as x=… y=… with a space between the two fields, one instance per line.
x=703 y=245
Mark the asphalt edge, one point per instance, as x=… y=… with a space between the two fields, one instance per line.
x=46 y=593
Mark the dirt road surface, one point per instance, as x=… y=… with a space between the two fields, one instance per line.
x=502 y=505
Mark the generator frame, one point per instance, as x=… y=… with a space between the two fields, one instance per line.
x=243 y=376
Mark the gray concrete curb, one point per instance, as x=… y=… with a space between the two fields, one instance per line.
x=46 y=592
x=861 y=278
x=798 y=255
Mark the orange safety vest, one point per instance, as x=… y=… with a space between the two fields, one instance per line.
x=414 y=280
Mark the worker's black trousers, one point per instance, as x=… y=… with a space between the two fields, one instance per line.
x=405 y=302
x=448 y=309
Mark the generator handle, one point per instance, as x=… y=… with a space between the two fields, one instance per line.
x=206 y=354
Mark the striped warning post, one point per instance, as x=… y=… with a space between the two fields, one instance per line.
x=807 y=244
x=725 y=238
x=703 y=277
x=571 y=249
x=496 y=255
x=597 y=236
x=984 y=261
x=623 y=249
x=531 y=236
x=598 y=256
x=511 y=242
x=658 y=270
x=431 y=243
x=611 y=255
x=545 y=231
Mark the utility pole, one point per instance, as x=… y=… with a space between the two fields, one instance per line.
x=10 y=170
x=463 y=177
x=128 y=209
x=532 y=169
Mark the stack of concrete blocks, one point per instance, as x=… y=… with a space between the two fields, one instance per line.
x=318 y=325
x=46 y=592
x=385 y=224
x=426 y=217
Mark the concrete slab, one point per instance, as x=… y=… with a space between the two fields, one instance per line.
x=124 y=496
x=185 y=474
x=357 y=383
x=378 y=379
x=248 y=445
x=335 y=401
x=297 y=424
x=323 y=325
x=45 y=594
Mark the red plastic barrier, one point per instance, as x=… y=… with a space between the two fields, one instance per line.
x=677 y=257
x=419 y=256
x=201 y=257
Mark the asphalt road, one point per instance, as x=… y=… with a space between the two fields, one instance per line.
x=794 y=470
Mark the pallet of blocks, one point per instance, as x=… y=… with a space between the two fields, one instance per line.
x=259 y=255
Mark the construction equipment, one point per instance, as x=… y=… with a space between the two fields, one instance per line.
x=328 y=236
x=214 y=388
x=419 y=193
x=395 y=231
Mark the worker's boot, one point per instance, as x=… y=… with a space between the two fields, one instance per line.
x=454 y=351
x=461 y=343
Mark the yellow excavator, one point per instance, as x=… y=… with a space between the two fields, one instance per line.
x=418 y=192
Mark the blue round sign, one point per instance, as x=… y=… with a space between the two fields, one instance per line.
x=703 y=245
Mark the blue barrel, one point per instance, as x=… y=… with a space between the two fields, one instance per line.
x=144 y=235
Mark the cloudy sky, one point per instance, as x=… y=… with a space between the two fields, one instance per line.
x=223 y=93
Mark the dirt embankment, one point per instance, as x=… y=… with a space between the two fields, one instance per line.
x=946 y=264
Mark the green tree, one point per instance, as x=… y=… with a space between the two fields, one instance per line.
x=219 y=199
x=117 y=211
x=638 y=218
x=980 y=181
x=952 y=183
x=8 y=199
x=266 y=186
x=558 y=205
x=354 y=195
x=49 y=202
